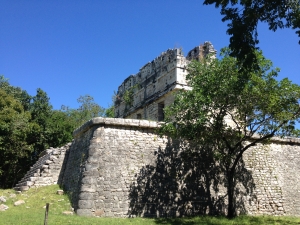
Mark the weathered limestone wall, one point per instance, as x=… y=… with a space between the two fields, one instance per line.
x=47 y=170
x=275 y=168
x=154 y=80
x=120 y=168
x=75 y=168
x=104 y=160
x=151 y=111
x=165 y=74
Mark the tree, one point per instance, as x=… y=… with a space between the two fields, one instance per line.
x=14 y=130
x=16 y=92
x=40 y=110
x=86 y=111
x=29 y=125
x=110 y=111
x=224 y=115
x=244 y=17
x=60 y=128
x=40 y=107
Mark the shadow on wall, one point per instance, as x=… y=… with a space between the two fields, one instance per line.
x=63 y=168
x=186 y=181
x=73 y=168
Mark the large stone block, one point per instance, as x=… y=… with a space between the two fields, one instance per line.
x=84 y=212
x=87 y=196
x=86 y=204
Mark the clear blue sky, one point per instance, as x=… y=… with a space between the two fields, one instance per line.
x=72 y=48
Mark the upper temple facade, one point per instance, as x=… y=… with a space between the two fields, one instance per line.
x=145 y=94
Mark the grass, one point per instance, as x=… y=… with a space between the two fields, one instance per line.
x=33 y=212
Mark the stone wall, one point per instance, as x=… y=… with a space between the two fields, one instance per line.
x=104 y=160
x=275 y=168
x=156 y=79
x=47 y=170
x=151 y=111
x=121 y=168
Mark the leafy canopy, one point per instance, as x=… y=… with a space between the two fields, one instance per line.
x=220 y=102
x=29 y=125
x=244 y=16
x=87 y=110
x=14 y=131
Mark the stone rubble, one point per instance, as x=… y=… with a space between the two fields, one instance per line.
x=2 y=199
x=60 y=192
x=3 y=207
x=68 y=213
x=19 y=202
x=12 y=195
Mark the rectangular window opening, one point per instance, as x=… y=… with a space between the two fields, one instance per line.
x=160 y=112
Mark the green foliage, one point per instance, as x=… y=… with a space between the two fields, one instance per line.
x=244 y=17
x=128 y=95
x=25 y=130
x=110 y=112
x=14 y=130
x=60 y=128
x=40 y=107
x=40 y=110
x=16 y=92
x=29 y=125
x=86 y=111
x=223 y=110
x=88 y=108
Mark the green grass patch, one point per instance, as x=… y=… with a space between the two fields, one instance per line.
x=33 y=212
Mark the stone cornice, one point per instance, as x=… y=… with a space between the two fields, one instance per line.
x=153 y=125
x=115 y=122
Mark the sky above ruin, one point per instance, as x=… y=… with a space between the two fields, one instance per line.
x=73 y=48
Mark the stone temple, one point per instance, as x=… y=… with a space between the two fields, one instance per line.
x=145 y=94
x=120 y=167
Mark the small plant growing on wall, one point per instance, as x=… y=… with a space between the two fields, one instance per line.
x=128 y=95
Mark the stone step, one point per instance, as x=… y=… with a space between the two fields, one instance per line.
x=26 y=183
x=28 y=179
x=21 y=188
x=31 y=175
x=46 y=170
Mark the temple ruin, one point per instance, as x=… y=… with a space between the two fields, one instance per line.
x=145 y=94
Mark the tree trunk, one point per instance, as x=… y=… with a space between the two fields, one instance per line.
x=230 y=193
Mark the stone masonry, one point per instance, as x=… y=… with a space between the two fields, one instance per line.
x=145 y=94
x=47 y=170
x=104 y=160
x=121 y=167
